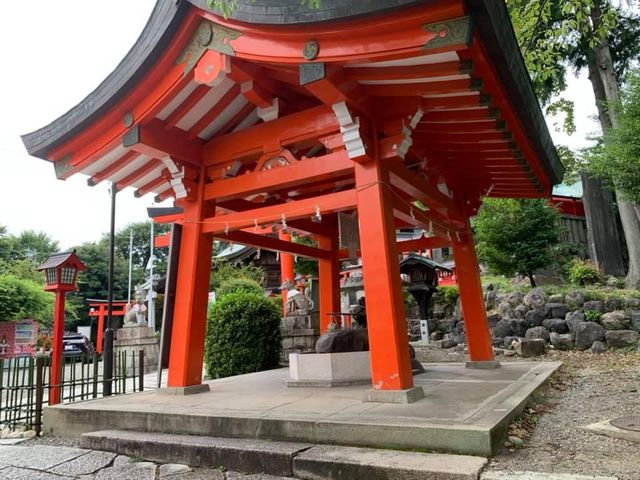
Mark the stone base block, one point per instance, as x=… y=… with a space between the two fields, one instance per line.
x=190 y=390
x=329 y=369
x=483 y=365
x=409 y=395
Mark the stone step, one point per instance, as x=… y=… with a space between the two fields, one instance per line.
x=499 y=475
x=286 y=459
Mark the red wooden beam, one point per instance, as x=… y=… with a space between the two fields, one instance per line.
x=236 y=119
x=422 y=89
x=312 y=123
x=153 y=184
x=416 y=187
x=413 y=72
x=331 y=203
x=478 y=114
x=191 y=101
x=212 y=114
x=113 y=168
x=274 y=244
x=463 y=127
x=154 y=140
x=305 y=171
x=133 y=177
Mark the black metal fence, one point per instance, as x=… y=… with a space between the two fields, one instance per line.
x=25 y=384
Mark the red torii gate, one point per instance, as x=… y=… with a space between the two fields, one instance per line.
x=407 y=112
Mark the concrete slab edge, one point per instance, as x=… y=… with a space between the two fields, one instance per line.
x=605 y=428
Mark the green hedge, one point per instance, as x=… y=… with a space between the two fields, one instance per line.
x=243 y=335
x=236 y=285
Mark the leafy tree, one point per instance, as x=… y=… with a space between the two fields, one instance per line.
x=617 y=158
x=5 y=243
x=225 y=271
x=32 y=245
x=601 y=36
x=515 y=236
x=234 y=285
x=20 y=299
x=23 y=269
x=141 y=241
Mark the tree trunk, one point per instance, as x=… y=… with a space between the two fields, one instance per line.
x=531 y=279
x=607 y=93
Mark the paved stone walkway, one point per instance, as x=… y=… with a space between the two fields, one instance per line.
x=44 y=462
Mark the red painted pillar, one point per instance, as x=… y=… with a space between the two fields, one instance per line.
x=192 y=295
x=56 y=349
x=287 y=271
x=472 y=300
x=388 y=342
x=101 y=314
x=329 y=276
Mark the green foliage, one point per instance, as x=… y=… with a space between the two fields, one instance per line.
x=516 y=235
x=303 y=265
x=583 y=272
x=243 y=335
x=235 y=285
x=446 y=295
x=24 y=269
x=617 y=158
x=141 y=241
x=20 y=299
x=592 y=315
x=225 y=271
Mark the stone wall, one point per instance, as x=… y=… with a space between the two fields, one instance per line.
x=529 y=323
x=297 y=341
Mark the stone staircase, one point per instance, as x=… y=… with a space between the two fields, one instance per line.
x=286 y=459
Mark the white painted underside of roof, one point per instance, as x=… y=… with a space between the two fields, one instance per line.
x=223 y=118
x=149 y=177
x=177 y=100
x=248 y=121
x=131 y=167
x=105 y=161
x=205 y=104
x=406 y=62
x=445 y=78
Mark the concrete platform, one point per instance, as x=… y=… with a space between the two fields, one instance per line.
x=464 y=410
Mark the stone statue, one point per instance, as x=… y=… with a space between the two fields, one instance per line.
x=135 y=316
x=297 y=304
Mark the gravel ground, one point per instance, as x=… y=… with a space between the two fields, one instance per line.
x=588 y=388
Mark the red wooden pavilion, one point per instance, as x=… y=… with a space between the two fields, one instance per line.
x=405 y=111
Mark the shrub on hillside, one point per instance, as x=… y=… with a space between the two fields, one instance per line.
x=235 y=285
x=243 y=335
x=583 y=272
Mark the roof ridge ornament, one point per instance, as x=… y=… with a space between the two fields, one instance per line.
x=208 y=36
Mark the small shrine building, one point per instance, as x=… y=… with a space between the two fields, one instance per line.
x=406 y=113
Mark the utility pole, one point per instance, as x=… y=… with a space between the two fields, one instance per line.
x=129 y=294
x=151 y=306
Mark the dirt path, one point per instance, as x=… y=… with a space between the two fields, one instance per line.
x=589 y=388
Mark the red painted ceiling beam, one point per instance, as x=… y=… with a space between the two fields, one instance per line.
x=234 y=121
x=184 y=108
x=467 y=127
x=274 y=244
x=479 y=114
x=312 y=123
x=421 y=89
x=413 y=72
x=217 y=109
x=154 y=140
x=152 y=185
x=302 y=172
x=141 y=172
x=110 y=170
x=331 y=203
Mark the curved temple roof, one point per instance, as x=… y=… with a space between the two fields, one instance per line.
x=482 y=125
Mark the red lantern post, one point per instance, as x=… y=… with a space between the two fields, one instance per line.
x=61 y=271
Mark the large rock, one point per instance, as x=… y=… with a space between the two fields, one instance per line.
x=503 y=329
x=536 y=299
x=508 y=342
x=621 y=338
x=556 y=325
x=515 y=298
x=556 y=310
x=635 y=320
x=613 y=304
x=540 y=333
x=519 y=326
x=587 y=333
x=616 y=320
x=556 y=298
x=573 y=319
x=534 y=318
x=505 y=310
x=632 y=303
x=520 y=311
x=493 y=319
x=449 y=343
x=598 y=347
x=531 y=347
x=593 y=305
x=497 y=342
x=574 y=299
x=562 y=341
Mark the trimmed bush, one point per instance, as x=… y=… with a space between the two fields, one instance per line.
x=583 y=272
x=235 y=285
x=243 y=335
